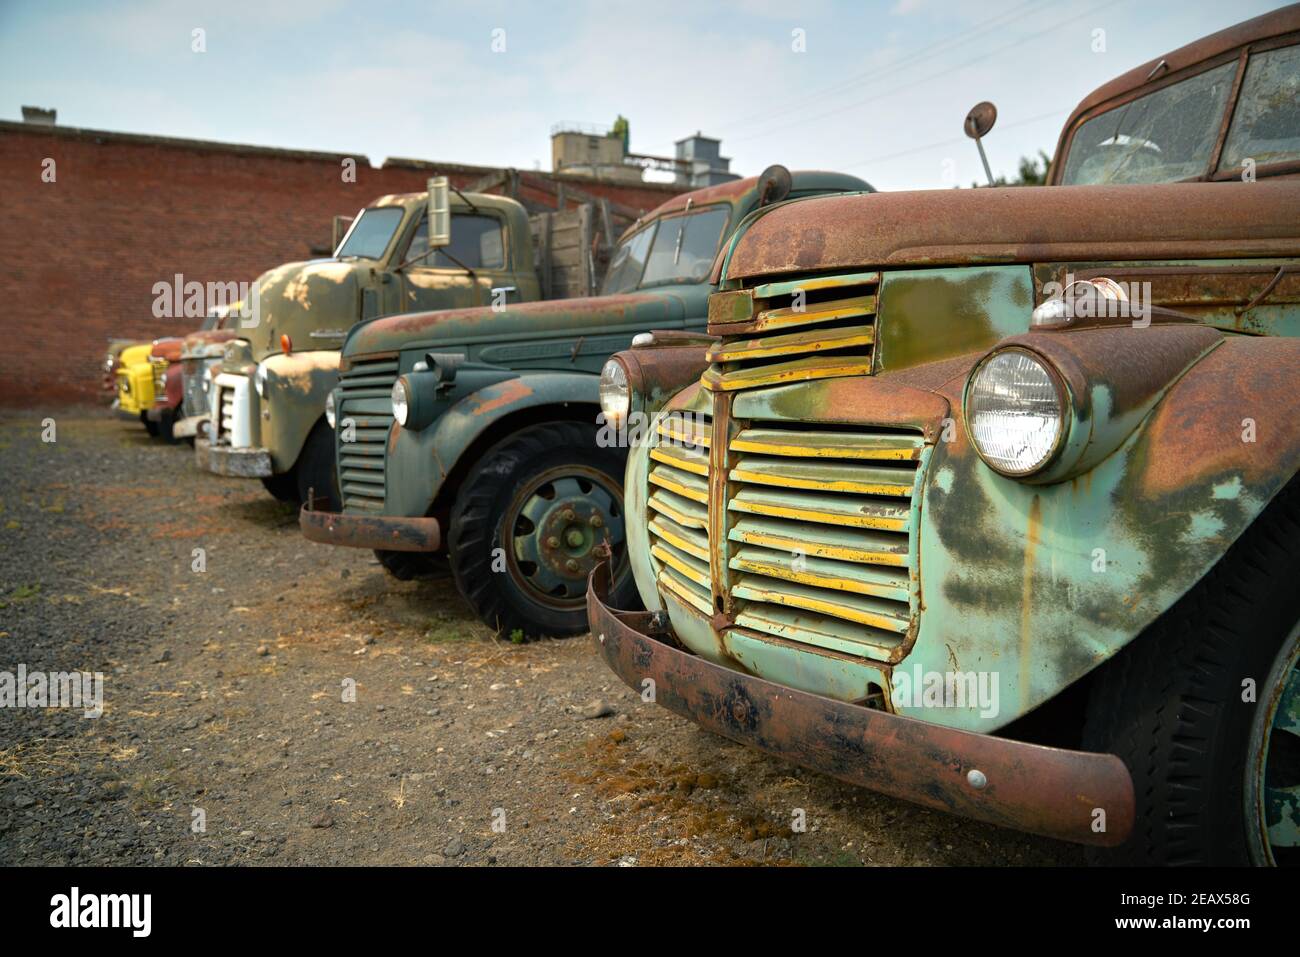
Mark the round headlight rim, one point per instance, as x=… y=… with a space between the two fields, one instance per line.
x=1064 y=396
x=629 y=392
x=401 y=383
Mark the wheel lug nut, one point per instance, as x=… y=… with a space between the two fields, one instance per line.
x=597 y=521
x=569 y=515
x=571 y=565
x=552 y=542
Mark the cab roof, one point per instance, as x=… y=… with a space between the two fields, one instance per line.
x=1269 y=26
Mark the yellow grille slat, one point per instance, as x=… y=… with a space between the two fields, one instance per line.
x=788 y=316
x=691 y=568
x=840 y=445
x=692 y=543
x=687 y=430
x=827 y=509
x=821 y=631
x=683 y=483
x=780 y=373
x=824 y=573
x=824 y=476
x=678 y=456
x=867 y=546
x=679 y=587
x=874 y=612
x=681 y=510
x=798 y=343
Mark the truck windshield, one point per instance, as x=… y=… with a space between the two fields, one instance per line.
x=1162 y=137
x=371 y=234
x=1266 y=125
x=676 y=248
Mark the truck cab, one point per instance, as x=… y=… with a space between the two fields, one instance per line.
x=484 y=423
x=988 y=499
x=268 y=401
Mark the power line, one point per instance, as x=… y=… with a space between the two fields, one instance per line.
x=919 y=55
x=957 y=139
x=1019 y=41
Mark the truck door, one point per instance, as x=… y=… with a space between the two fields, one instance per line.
x=464 y=273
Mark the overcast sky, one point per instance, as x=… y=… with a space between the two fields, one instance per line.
x=879 y=89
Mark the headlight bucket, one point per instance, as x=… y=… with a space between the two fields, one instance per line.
x=1017 y=411
x=415 y=400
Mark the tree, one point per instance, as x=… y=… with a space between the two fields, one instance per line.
x=1032 y=172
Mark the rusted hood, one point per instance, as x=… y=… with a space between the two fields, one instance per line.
x=168 y=348
x=573 y=317
x=205 y=341
x=1021 y=224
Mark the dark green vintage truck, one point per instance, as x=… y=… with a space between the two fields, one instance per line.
x=483 y=422
x=268 y=398
x=990 y=499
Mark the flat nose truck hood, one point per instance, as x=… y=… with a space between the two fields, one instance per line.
x=297 y=299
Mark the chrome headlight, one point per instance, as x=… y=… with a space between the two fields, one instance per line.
x=329 y=409
x=615 y=394
x=401 y=402
x=259 y=380
x=1015 y=412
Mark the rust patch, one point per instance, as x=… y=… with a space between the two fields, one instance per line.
x=510 y=391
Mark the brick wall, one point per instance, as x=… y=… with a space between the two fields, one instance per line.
x=79 y=256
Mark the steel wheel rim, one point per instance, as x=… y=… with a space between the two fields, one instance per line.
x=1272 y=770
x=552 y=529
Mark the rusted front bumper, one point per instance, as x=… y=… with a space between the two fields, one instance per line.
x=1069 y=795
x=191 y=425
x=393 y=533
x=239 y=462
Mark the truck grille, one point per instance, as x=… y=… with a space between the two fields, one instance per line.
x=226 y=421
x=365 y=405
x=195 y=400
x=820 y=527
x=801 y=330
x=679 y=507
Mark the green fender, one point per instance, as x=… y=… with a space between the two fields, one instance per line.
x=296 y=387
x=1037 y=584
x=419 y=462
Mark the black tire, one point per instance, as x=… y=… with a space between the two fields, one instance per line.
x=166 y=426
x=516 y=471
x=414 y=566
x=283 y=487
x=1170 y=704
x=316 y=472
x=150 y=427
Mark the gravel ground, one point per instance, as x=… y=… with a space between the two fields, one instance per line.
x=226 y=739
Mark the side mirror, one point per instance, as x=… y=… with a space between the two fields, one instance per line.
x=774 y=185
x=439 y=212
x=978 y=122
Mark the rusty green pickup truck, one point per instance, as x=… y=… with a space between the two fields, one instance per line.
x=484 y=423
x=989 y=499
